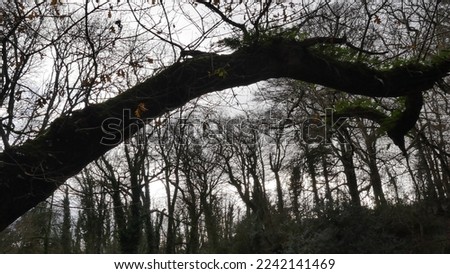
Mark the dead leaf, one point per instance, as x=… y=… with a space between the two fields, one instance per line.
x=140 y=110
x=377 y=20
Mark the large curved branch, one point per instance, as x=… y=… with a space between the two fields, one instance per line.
x=396 y=126
x=31 y=172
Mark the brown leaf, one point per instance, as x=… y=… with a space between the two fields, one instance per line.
x=377 y=20
x=136 y=64
x=32 y=15
x=140 y=110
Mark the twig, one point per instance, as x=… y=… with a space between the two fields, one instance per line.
x=224 y=17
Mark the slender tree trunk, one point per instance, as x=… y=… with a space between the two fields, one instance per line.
x=171 y=202
x=328 y=194
x=375 y=178
x=280 y=200
x=349 y=171
x=296 y=189
x=193 y=239
x=148 y=222
x=228 y=223
x=424 y=167
x=191 y=202
x=134 y=221
x=393 y=182
x=275 y=162
x=48 y=229
x=312 y=172
x=66 y=234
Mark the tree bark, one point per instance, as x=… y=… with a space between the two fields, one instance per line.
x=31 y=172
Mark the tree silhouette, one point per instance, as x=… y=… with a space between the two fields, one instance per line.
x=32 y=170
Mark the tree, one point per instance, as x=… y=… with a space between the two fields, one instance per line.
x=94 y=214
x=66 y=233
x=263 y=47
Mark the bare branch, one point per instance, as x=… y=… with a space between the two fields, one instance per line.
x=224 y=17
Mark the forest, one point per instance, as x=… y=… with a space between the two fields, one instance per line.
x=225 y=126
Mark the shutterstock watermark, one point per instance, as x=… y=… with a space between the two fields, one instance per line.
x=264 y=130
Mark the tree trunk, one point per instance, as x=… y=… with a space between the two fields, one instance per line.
x=371 y=160
x=296 y=189
x=66 y=234
x=352 y=182
x=328 y=194
x=211 y=225
x=312 y=172
x=346 y=158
